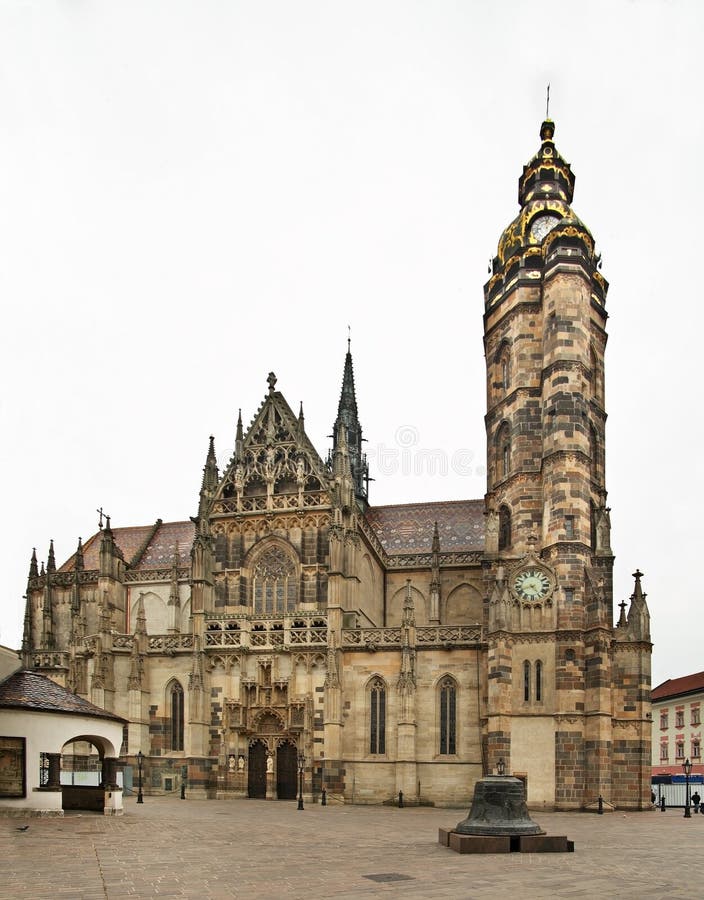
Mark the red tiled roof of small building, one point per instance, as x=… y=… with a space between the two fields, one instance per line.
x=675 y=687
x=32 y=691
x=408 y=527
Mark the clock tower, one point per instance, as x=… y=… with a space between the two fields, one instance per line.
x=551 y=640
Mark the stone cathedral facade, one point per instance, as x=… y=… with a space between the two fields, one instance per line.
x=391 y=648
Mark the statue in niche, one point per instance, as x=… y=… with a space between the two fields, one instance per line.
x=269 y=764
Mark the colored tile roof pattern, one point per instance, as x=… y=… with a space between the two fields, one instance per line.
x=160 y=550
x=160 y=539
x=675 y=687
x=408 y=527
x=30 y=690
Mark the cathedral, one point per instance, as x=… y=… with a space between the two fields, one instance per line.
x=292 y=631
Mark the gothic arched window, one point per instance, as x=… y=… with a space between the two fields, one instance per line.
x=504 y=527
x=538 y=681
x=503 y=447
x=526 y=682
x=175 y=700
x=377 y=716
x=274 y=582
x=448 y=716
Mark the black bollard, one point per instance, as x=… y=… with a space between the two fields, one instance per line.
x=400 y=799
x=183 y=790
x=324 y=798
x=600 y=808
x=662 y=803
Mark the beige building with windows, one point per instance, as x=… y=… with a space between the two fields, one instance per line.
x=677 y=725
x=392 y=649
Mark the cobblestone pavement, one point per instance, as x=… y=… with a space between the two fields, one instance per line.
x=255 y=848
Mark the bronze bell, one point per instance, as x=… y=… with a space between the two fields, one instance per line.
x=499 y=807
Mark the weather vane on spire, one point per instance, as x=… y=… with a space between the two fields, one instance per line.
x=547 y=103
x=349 y=337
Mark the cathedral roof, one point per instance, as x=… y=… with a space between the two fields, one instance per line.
x=32 y=691
x=142 y=546
x=408 y=527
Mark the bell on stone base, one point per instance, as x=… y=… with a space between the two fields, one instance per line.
x=499 y=807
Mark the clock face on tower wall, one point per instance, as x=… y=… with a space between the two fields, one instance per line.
x=542 y=225
x=531 y=584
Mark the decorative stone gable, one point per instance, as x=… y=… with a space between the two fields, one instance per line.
x=275 y=467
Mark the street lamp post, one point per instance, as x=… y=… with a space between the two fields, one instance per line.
x=140 y=760
x=301 y=767
x=687 y=766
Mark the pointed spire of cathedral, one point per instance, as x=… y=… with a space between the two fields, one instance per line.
x=209 y=482
x=51 y=561
x=348 y=419
x=41 y=570
x=301 y=421
x=239 y=438
x=78 y=560
x=33 y=572
x=638 y=613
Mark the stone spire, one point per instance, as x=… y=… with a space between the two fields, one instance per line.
x=51 y=561
x=239 y=437
x=348 y=419
x=33 y=571
x=209 y=483
x=638 y=613
x=78 y=559
x=435 y=577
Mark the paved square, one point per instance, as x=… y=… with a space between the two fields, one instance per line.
x=253 y=848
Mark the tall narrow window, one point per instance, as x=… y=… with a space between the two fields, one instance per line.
x=569 y=527
x=176 y=703
x=377 y=717
x=503 y=446
x=448 y=716
x=504 y=527
x=538 y=681
x=526 y=681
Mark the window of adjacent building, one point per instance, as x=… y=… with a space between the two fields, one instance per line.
x=274 y=582
x=696 y=748
x=663 y=752
x=663 y=719
x=377 y=717
x=176 y=710
x=448 y=716
x=679 y=749
x=679 y=718
x=695 y=715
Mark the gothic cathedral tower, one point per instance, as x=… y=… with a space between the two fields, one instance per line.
x=554 y=712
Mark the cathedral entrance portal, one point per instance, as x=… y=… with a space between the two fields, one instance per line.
x=256 y=782
x=286 y=771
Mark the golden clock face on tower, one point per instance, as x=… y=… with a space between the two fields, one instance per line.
x=531 y=584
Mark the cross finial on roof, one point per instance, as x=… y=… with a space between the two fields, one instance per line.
x=547 y=103
x=271 y=380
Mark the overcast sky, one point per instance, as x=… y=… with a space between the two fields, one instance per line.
x=193 y=194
